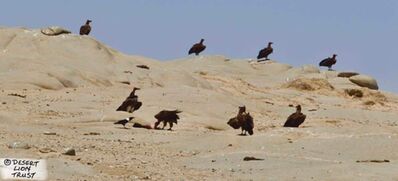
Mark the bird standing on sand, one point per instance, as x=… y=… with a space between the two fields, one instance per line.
x=243 y=120
x=124 y=121
x=167 y=116
x=328 y=62
x=265 y=52
x=85 y=29
x=197 y=48
x=131 y=103
x=295 y=119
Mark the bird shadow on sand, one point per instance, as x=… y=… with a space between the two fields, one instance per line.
x=242 y=134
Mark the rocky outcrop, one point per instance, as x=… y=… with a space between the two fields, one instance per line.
x=54 y=31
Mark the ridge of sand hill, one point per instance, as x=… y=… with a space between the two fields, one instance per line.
x=71 y=85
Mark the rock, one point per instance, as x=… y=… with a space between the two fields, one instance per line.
x=354 y=92
x=146 y=178
x=125 y=82
x=373 y=161
x=250 y=158
x=18 y=145
x=46 y=150
x=49 y=133
x=92 y=133
x=347 y=74
x=369 y=103
x=365 y=81
x=143 y=66
x=54 y=31
x=70 y=152
x=17 y=95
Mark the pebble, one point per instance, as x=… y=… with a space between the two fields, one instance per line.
x=92 y=133
x=46 y=150
x=70 y=152
x=250 y=158
x=50 y=133
x=18 y=145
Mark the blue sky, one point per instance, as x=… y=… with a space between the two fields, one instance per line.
x=364 y=33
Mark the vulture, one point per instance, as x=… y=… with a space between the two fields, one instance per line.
x=265 y=52
x=197 y=48
x=85 y=29
x=243 y=120
x=131 y=103
x=124 y=121
x=295 y=119
x=328 y=62
x=167 y=116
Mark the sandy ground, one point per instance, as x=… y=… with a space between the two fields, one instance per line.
x=73 y=84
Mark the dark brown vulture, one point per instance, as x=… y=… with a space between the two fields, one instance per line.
x=295 y=119
x=85 y=29
x=166 y=116
x=124 y=121
x=243 y=120
x=265 y=52
x=328 y=62
x=131 y=103
x=197 y=48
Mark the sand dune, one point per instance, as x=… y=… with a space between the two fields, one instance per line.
x=73 y=84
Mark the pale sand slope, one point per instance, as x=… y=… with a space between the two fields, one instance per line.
x=73 y=85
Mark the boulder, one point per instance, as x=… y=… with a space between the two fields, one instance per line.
x=54 y=31
x=364 y=81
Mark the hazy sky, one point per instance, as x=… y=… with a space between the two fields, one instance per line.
x=364 y=33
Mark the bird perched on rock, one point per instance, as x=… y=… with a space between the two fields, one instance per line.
x=124 y=121
x=167 y=116
x=131 y=103
x=243 y=120
x=85 y=29
x=295 y=119
x=328 y=62
x=197 y=48
x=265 y=52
